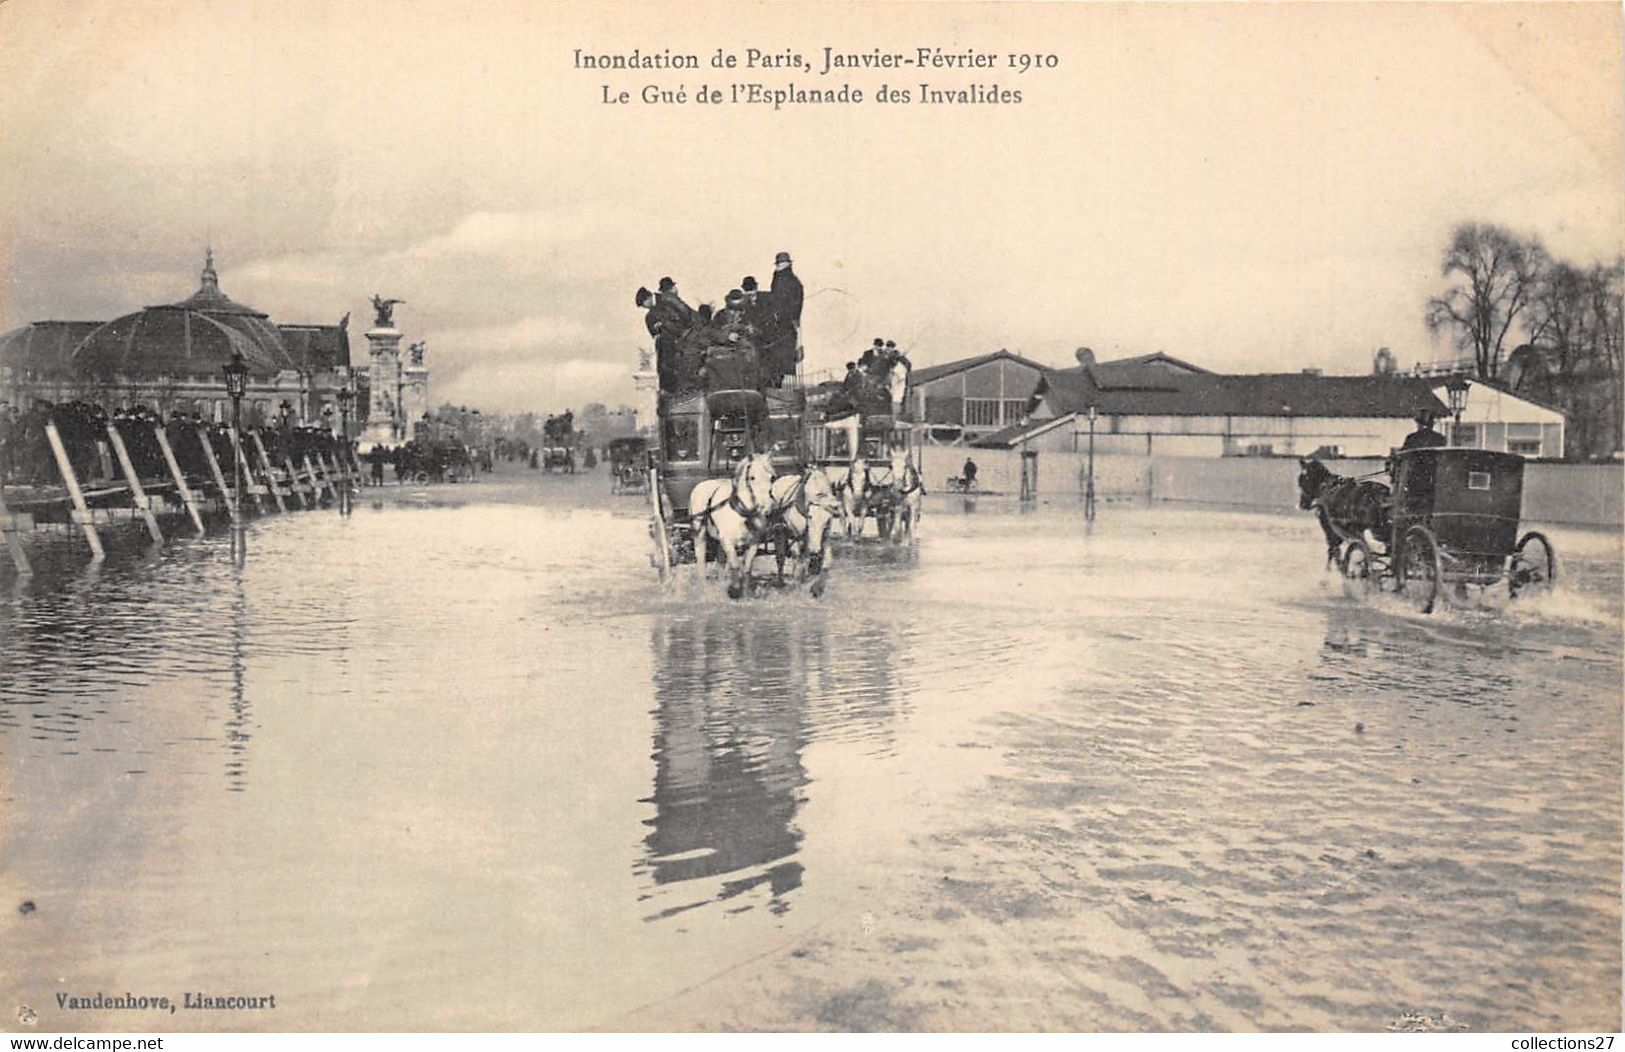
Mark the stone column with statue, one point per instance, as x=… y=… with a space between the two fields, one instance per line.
x=385 y=423
x=414 y=387
x=646 y=400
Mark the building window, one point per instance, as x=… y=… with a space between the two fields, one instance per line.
x=981 y=412
x=1467 y=434
x=1014 y=410
x=1524 y=446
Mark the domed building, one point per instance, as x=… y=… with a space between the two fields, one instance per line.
x=171 y=357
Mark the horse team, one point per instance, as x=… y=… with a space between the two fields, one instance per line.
x=732 y=519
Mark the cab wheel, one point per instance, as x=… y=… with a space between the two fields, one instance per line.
x=1358 y=577
x=1420 y=569
x=1534 y=565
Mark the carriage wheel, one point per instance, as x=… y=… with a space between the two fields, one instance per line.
x=1359 y=578
x=1534 y=565
x=1420 y=569
x=421 y=478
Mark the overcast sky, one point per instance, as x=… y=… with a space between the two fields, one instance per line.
x=1252 y=187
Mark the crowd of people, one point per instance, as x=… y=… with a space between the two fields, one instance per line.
x=26 y=457
x=430 y=461
x=876 y=382
x=752 y=342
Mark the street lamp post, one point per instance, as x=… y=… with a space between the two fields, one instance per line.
x=236 y=372
x=345 y=397
x=1089 y=490
x=1456 y=389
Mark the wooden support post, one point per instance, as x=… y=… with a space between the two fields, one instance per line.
x=138 y=495
x=270 y=474
x=306 y=487
x=187 y=496
x=219 y=476
x=81 y=513
x=326 y=482
x=330 y=468
x=248 y=472
x=8 y=526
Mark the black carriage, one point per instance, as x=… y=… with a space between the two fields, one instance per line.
x=1453 y=522
x=628 y=465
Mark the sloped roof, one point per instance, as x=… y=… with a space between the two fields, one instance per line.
x=1145 y=370
x=44 y=348
x=1260 y=394
x=318 y=348
x=936 y=372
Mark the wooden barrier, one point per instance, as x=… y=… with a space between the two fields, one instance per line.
x=303 y=486
x=270 y=473
x=138 y=495
x=325 y=482
x=188 y=498
x=227 y=493
x=254 y=489
x=81 y=512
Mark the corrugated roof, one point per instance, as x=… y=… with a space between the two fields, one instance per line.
x=1262 y=394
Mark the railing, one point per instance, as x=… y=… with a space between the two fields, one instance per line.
x=1445 y=367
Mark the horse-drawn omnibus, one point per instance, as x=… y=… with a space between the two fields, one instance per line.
x=746 y=440
x=873 y=459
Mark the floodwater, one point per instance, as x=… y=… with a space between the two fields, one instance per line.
x=470 y=767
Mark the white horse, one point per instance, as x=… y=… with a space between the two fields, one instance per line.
x=733 y=512
x=851 y=485
x=909 y=489
x=807 y=506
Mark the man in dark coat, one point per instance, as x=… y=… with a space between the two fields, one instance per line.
x=784 y=300
x=786 y=293
x=1424 y=437
x=679 y=312
x=665 y=324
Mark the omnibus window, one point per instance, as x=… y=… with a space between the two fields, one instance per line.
x=683 y=438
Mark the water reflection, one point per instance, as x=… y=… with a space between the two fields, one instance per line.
x=740 y=693
x=237 y=735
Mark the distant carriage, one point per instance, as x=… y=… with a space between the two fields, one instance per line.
x=874 y=456
x=1452 y=521
x=559 y=458
x=628 y=465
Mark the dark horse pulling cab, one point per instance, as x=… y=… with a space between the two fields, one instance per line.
x=1451 y=519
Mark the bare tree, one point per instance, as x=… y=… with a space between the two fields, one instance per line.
x=1495 y=273
x=1606 y=291
x=1574 y=357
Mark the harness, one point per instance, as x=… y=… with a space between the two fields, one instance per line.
x=913 y=482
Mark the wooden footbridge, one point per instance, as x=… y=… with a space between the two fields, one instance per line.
x=81 y=471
